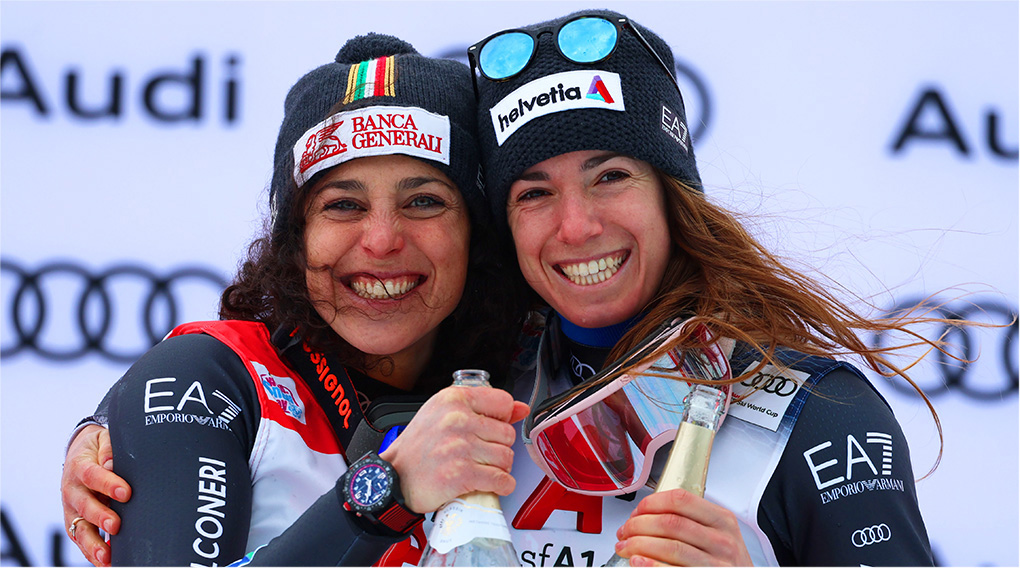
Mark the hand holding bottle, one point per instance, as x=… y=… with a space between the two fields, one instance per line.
x=470 y=530
x=459 y=441
x=676 y=525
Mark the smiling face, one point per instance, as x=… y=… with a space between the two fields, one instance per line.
x=387 y=246
x=591 y=234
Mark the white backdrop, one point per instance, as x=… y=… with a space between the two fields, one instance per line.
x=875 y=141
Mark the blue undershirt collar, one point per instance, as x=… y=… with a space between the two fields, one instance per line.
x=597 y=336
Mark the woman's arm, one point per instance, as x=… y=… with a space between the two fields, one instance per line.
x=459 y=441
x=182 y=424
x=843 y=492
x=326 y=533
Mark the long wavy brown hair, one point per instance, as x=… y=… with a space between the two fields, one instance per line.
x=722 y=277
x=270 y=287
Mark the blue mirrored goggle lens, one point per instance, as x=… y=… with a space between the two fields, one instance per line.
x=506 y=55
x=586 y=40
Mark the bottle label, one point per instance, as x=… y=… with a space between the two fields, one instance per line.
x=460 y=522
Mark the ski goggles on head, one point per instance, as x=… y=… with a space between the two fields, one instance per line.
x=601 y=437
x=585 y=39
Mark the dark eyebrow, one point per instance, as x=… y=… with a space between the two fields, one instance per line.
x=596 y=161
x=533 y=176
x=343 y=184
x=406 y=184
x=410 y=183
x=589 y=164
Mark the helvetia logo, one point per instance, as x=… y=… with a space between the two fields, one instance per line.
x=598 y=91
x=555 y=93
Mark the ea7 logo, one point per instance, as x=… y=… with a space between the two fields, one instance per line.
x=854 y=455
x=195 y=394
x=672 y=125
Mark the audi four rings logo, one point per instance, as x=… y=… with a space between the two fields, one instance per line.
x=965 y=342
x=871 y=535
x=697 y=97
x=773 y=384
x=63 y=311
x=582 y=370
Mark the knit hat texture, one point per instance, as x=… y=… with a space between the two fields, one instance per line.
x=624 y=103
x=378 y=97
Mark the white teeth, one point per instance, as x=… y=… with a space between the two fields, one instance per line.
x=377 y=290
x=593 y=272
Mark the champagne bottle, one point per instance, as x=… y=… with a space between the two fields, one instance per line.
x=470 y=530
x=687 y=465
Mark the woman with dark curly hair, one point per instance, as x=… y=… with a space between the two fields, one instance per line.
x=377 y=279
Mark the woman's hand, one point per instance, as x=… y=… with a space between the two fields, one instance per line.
x=678 y=528
x=86 y=486
x=459 y=441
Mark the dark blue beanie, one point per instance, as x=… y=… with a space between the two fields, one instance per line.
x=625 y=103
x=379 y=96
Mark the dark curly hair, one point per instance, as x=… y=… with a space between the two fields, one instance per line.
x=481 y=332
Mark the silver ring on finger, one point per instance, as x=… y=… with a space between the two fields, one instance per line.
x=72 y=526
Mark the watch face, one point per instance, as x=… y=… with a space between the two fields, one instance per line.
x=369 y=485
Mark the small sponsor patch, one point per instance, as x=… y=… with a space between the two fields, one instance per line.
x=372 y=131
x=765 y=396
x=282 y=391
x=571 y=90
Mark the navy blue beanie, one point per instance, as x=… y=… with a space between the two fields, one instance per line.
x=379 y=96
x=625 y=103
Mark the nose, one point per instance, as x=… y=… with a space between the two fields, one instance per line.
x=382 y=235
x=579 y=220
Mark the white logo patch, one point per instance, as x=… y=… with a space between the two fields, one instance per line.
x=768 y=394
x=554 y=93
x=281 y=390
x=371 y=131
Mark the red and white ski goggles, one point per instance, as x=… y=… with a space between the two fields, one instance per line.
x=600 y=437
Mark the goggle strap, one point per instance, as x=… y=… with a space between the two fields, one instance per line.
x=540 y=390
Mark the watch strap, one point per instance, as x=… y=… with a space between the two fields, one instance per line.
x=395 y=518
x=399 y=518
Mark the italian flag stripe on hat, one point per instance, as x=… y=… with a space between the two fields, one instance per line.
x=373 y=78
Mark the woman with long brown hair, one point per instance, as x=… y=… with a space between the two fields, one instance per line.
x=588 y=156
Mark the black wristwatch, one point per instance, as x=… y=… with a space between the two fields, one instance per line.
x=371 y=490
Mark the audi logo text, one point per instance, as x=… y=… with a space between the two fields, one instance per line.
x=871 y=535
x=772 y=384
x=964 y=342
x=63 y=310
